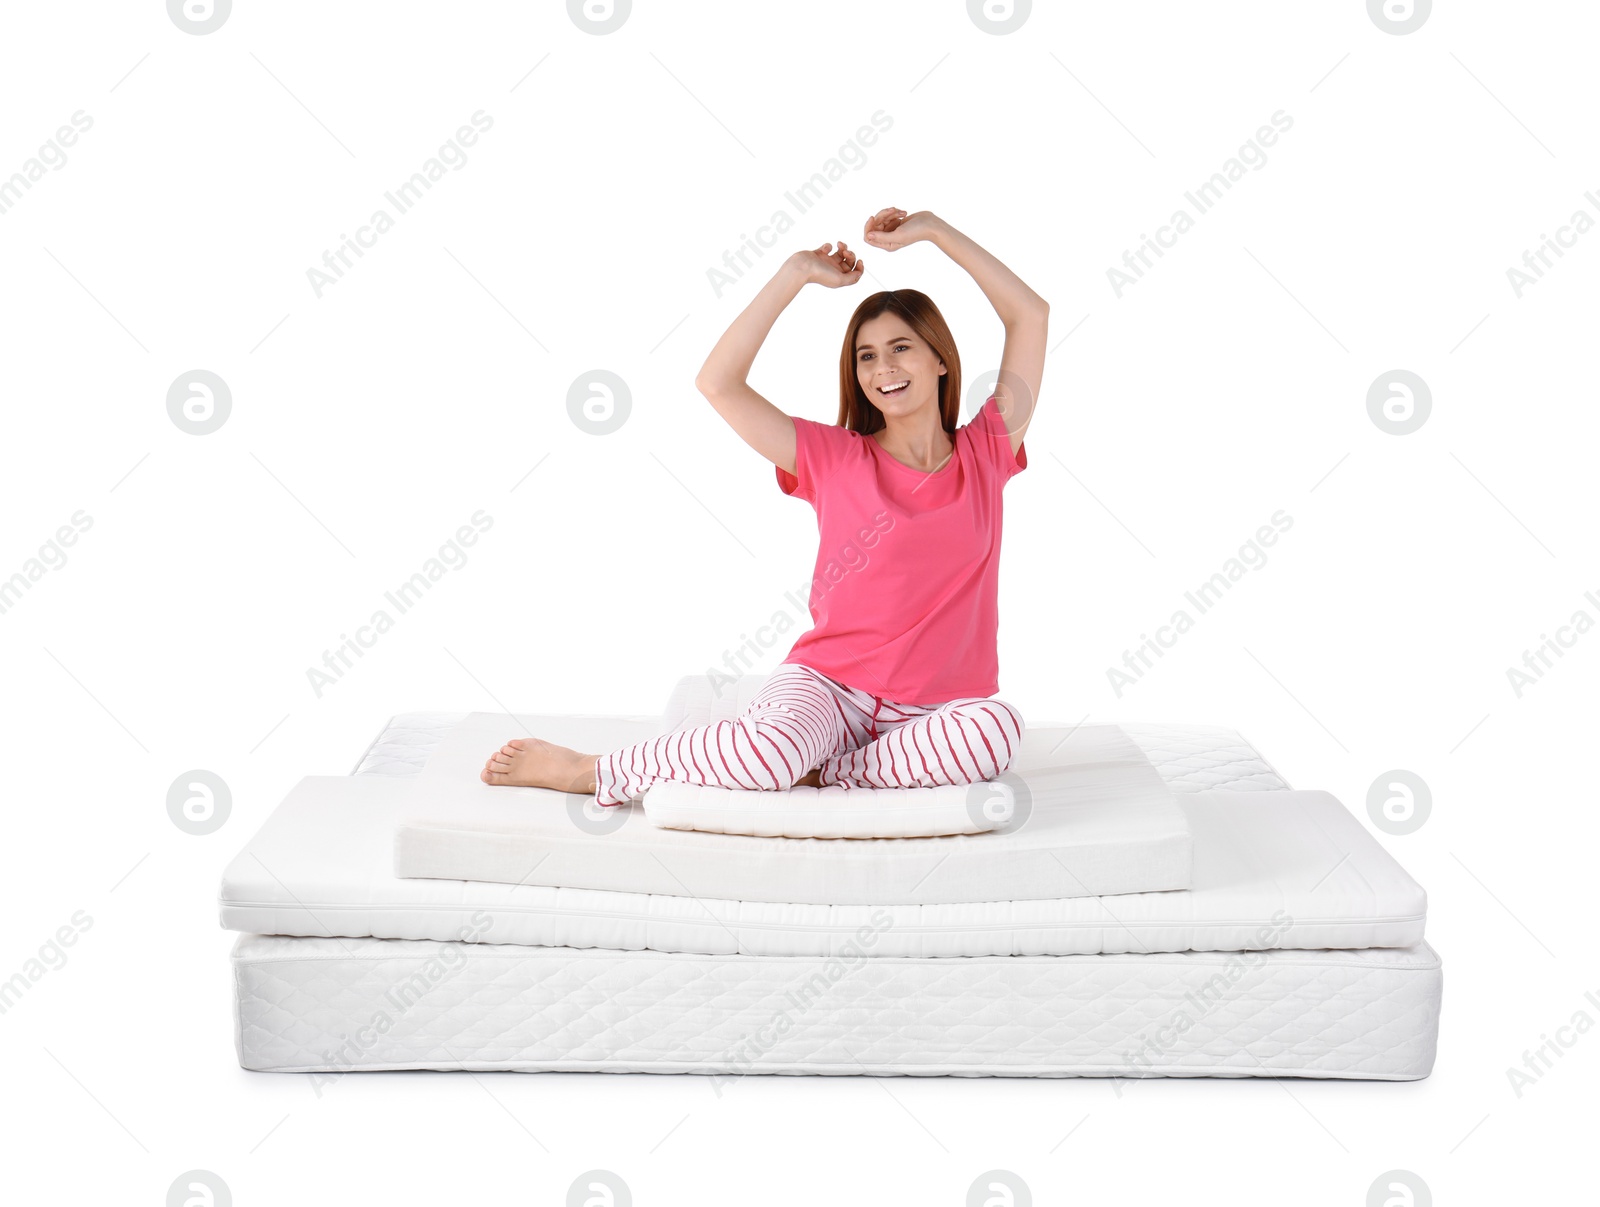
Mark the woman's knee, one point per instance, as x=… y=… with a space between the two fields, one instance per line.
x=1005 y=709
x=796 y=702
x=998 y=723
x=783 y=750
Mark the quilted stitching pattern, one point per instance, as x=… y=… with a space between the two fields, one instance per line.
x=316 y=1004
x=1204 y=758
x=406 y=742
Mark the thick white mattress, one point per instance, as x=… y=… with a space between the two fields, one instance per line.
x=1093 y=818
x=335 y=1005
x=853 y=989
x=1272 y=869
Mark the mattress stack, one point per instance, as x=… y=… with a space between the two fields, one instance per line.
x=1162 y=905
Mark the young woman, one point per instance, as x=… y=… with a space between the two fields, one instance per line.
x=894 y=683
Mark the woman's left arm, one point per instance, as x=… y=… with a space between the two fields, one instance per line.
x=1023 y=313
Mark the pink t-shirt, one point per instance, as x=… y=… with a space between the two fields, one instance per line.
x=904 y=595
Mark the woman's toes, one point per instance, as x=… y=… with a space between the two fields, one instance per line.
x=516 y=744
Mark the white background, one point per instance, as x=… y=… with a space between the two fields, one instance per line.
x=369 y=423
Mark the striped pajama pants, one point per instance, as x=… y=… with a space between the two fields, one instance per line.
x=802 y=719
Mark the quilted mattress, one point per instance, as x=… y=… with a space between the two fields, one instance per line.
x=1269 y=977
x=336 y=1005
x=1270 y=869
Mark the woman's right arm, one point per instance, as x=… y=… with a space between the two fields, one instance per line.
x=722 y=379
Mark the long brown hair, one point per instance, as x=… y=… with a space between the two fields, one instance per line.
x=856 y=412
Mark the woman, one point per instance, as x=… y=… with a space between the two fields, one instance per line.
x=893 y=684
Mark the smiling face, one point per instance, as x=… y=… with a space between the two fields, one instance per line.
x=889 y=354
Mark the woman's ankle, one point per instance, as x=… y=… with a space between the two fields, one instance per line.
x=583 y=777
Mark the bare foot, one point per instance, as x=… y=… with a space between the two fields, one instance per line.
x=535 y=763
x=811 y=779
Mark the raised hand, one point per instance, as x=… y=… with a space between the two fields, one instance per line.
x=891 y=228
x=831 y=268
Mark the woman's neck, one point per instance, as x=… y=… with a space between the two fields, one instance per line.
x=918 y=440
